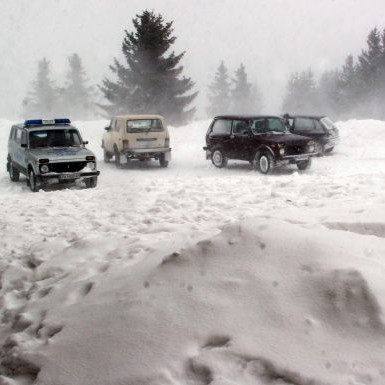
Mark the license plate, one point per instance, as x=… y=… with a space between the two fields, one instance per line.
x=69 y=176
x=302 y=158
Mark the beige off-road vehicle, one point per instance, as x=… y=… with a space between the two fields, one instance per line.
x=140 y=137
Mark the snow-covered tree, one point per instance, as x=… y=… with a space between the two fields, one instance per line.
x=76 y=95
x=301 y=94
x=219 y=92
x=151 y=80
x=43 y=97
x=245 y=97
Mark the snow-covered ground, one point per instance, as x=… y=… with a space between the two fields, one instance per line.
x=194 y=275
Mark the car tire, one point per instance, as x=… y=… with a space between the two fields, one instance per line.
x=162 y=160
x=14 y=173
x=304 y=164
x=319 y=148
x=91 y=182
x=264 y=162
x=106 y=156
x=218 y=157
x=33 y=181
x=117 y=158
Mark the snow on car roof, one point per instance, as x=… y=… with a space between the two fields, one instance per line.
x=138 y=117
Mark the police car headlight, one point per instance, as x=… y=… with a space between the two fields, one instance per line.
x=311 y=147
x=44 y=168
x=282 y=151
x=91 y=165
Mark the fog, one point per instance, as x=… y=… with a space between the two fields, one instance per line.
x=272 y=38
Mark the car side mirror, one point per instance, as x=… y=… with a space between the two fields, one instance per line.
x=107 y=128
x=24 y=145
x=85 y=142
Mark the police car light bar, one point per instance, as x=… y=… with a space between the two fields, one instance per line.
x=42 y=122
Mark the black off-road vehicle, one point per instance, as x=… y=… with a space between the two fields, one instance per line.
x=320 y=128
x=260 y=140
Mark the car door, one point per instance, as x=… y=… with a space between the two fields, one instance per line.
x=113 y=136
x=18 y=154
x=240 y=140
x=219 y=135
x=306 y=127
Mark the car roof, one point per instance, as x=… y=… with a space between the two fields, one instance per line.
x=38 y=127
x=150 y=116
x=241 y=116
x=307 y=116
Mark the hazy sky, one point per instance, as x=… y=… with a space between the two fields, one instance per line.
x=272 y=38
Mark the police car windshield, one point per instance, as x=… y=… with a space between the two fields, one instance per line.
x=54 y=138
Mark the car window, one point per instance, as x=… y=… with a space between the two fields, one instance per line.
x=304 y=124
x=18 y=136
x=258 y=125
x=240 y=127
x=12 y=134
x=221 y=126
x=114 y=125
x=328 y=123
x=54 y=138
x=144 y=125
x=275 y=124
x=319 y=127
x=23 y=139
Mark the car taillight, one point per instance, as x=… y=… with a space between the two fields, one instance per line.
x=166 y=142
x=90 y=157
x=126 y=144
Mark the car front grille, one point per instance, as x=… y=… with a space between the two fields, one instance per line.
x=295 y=150
x=67 y=166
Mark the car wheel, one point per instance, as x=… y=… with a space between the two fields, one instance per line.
x=34 y=183
x=265 y=163
x=117 y=158
x=319 y=148
x=162 y=160
x=218 y=157
x=106 y=156
x=304 y=164
x=91 y=182
x=14 y=173
x=329 y=150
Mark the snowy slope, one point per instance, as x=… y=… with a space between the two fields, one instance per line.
x=194 y=275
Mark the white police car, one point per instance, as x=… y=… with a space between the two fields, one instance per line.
x=49 y=152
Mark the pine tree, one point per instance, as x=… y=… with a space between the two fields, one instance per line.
x=381 y=93
x=151 y=81
x=329 y=93
x=219 y=92
x=244 y=95
x=43 y=99
x=77 y=95
x=349 y=90
x=301 y=96
x=369 y=76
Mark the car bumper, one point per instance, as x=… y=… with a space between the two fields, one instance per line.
x=67 y=177
x=208 y=153
x=293 y=159
x=143 y=153
x=298 y=157
x=331 y=143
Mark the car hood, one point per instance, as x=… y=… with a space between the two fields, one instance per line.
x=55 y=154
x=286 y=138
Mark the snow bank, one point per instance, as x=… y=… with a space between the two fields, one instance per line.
x=194 y=275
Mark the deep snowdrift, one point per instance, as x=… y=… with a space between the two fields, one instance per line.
x=151 y=279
